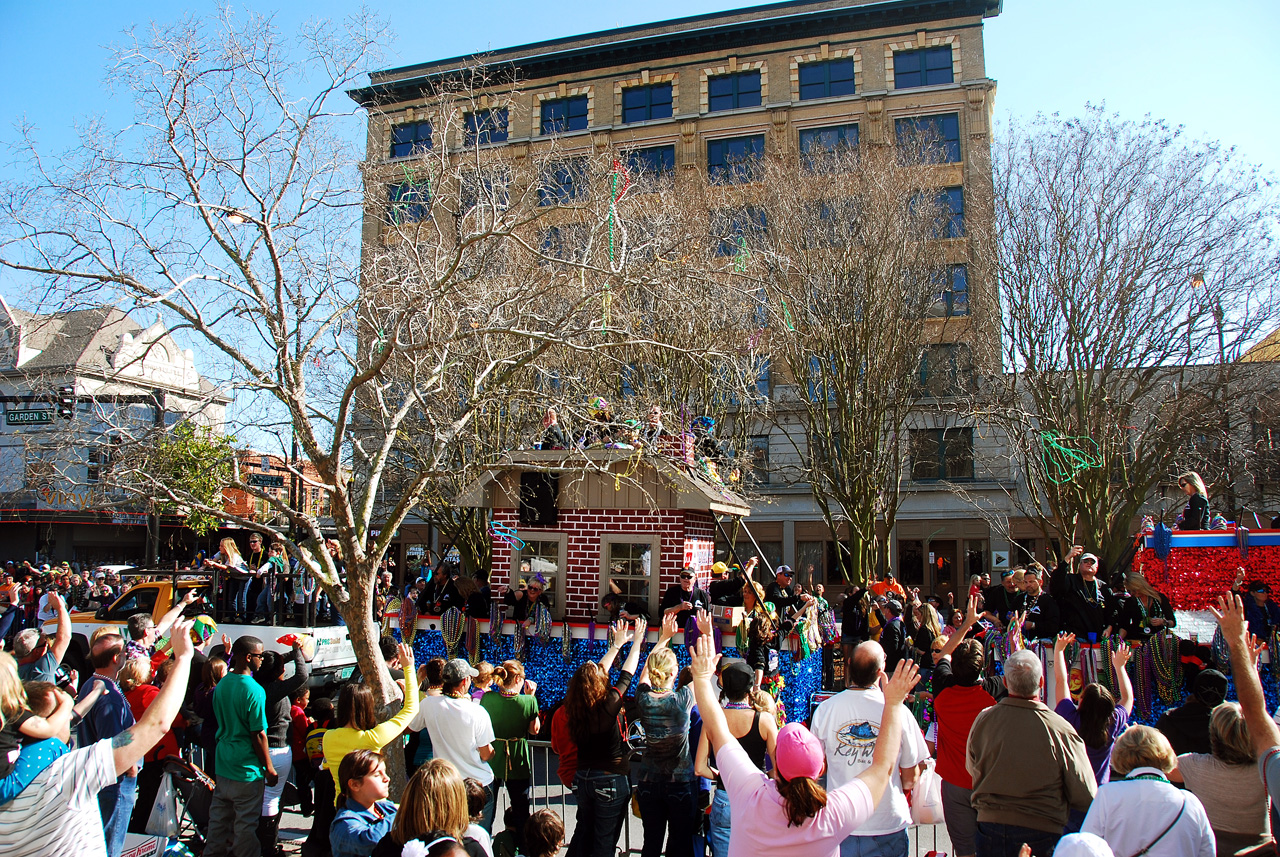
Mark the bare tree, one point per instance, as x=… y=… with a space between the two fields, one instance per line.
x=375 y=317
x=1134 y=268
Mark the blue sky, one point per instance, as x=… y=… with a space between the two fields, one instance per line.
x=1211 y=67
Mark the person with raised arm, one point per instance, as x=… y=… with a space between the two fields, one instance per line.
x=58 y=814
x=788 y=812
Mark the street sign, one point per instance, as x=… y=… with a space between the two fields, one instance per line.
x=266 y=480
x=29 y=418
x=999 y=559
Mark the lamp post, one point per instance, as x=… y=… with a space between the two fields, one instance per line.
x=1214 y=302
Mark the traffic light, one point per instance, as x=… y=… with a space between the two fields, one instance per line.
x=67 y=402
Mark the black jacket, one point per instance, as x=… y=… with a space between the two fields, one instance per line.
x=1187 y=727
x=1195 y=515
x=1086 y=607
x=893 y=639
x=1044 y=620
x=1002 y=602
x=675 y=594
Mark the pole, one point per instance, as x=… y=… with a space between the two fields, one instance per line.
x=153 y=519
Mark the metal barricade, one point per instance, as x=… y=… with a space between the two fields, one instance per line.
x=547 y=792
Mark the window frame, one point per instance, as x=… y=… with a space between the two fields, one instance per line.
x=654 y=540
x=827 y=84
x=475 y=134
x=562 y=567
x=649 y=89
x=922 y=56
x=805 y=147
x=736 y=93
x=414 y=148
x=725 y=171
x=948 y=145
x=941 y=458
x=406 y=204
x=553 y=192
x=547 y=124
x=647 y=182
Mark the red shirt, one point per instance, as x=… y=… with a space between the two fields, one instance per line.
x=139 y=699
x=298 y=732
x=955 y=709
x=562 y=743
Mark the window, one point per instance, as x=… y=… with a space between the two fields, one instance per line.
x=542 y=557
x=938 y=454
x=926 y=67
x=568 y=243
x=826 y=79
x=409 y=203
x=485 y=126
x=821 y=147
x=731 y=91
x=138 y=600
x=738 y=230
x=564 y=114
x=934 y=139
x=630 y=563
x=486 y=189
x=642 y=103
x=733 y=160
x=563 y=182
x=651 y=168
x=409 y=139
x=820 y=380
x=764 y=378
x=951 y=295
x=946 y=369
x=951 y=201
x=758 y=447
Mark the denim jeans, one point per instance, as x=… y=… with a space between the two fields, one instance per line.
x=886 y=845
x=718 y=829
x=263 y=606
x=240 y=604
x=1006 y=840
x=115 y=802
x=602 y=810
x=667 y=811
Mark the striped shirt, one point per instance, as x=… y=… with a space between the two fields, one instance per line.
x=58 y=813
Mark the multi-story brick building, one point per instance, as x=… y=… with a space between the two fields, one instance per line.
x=691 y=97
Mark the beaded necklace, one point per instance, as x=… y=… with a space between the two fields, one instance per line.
x=459 y=695
x=1134 y=777
x=1096 y=597
x=509 y=694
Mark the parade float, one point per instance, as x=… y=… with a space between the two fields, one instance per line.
x=583 y=524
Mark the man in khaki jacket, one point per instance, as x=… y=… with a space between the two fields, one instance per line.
x=1028 y=765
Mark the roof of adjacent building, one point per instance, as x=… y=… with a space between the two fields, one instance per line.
x=716 y=31
x=1266 y=351
x=78 y=339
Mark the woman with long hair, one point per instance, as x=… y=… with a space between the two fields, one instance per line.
x=602 y=784
x=854 y=628
x=236 y=578
x=279 y=708
x=364 y=815
x=1195 y=515
x=756 y=734
x=924 y=629
x=358 y=729
x=1099 y=718
x=513 y=710
x=1226 y=781
x=1146 y=611
x=211 y=673
x=667 y=787
x=788 y=812
x=434 y=801
x=757 y=632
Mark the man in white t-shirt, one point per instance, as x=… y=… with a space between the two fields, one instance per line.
x=847 y=725
x=460 y=729
x=58 y=814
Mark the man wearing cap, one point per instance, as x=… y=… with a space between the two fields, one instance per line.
x=848 y=726
x=888 y=587
x=725 y=587
x=1043 y=617
x=1187 y=726
x=783 y=594
x=38 y=659
x=1086 y=603
x=683 y=598
x=1260 y=611
x=1002 y=601
x=460 y=730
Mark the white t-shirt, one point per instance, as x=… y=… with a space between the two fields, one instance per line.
x=847 y=724
x=1130 y=814
x=479 y=834
x=58 y=813
x=458 y=729
x=45 y=613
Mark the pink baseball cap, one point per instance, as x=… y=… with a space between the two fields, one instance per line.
x=799 y=753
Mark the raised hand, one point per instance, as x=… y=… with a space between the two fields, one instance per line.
x=405 y=654
x=642 y=628
x=669 y=626
x=1120 y=657
x=180 y=639
x=971 y=614
x=703 y=658
x=1230 y=616
x=704 y=621
x=623 y=635
x=1255 y=650
x=1064 y=640
x=904 y=678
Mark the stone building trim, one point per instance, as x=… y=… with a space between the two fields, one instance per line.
x=565 y=91
x=822 y=54
x=422 y=113
x=732 y=66
x=645 y=79
x=922 y=41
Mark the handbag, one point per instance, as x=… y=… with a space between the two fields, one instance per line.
x=926 y=797
x=163 y=820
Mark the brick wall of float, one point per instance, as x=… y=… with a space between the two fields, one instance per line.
x=685 y=535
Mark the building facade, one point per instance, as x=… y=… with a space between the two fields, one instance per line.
x=696 y=95
x=75 y=386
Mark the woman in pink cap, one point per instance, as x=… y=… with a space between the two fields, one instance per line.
x=788 y=812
